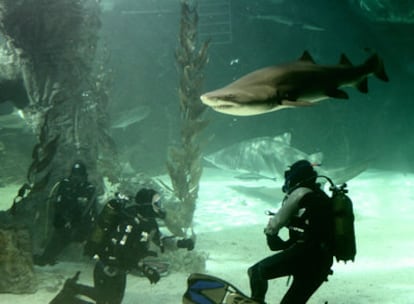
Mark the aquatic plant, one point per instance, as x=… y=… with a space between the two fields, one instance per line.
x=184 y=161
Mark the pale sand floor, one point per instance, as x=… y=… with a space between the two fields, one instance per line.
x=229 y=228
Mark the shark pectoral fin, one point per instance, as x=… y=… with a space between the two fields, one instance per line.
x=297 y=103
x=336 y=93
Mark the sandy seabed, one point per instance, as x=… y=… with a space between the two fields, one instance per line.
x=229 y=223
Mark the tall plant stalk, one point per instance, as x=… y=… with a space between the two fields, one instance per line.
x=184 y=161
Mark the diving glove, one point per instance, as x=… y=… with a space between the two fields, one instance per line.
x=151 y=273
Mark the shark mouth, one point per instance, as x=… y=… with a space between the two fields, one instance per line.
x=223 y=106
x=217 y=103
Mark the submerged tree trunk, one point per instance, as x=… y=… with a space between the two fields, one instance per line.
x=55 y=43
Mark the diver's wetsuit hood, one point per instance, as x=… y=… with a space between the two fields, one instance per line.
x=300 y=174
x=78 y=173
x=145 y=206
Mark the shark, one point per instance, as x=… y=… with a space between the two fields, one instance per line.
x=297 y=84
x=12 y=117
x=288 y=22
x=268 y=157
x=14 y=120
x=126 y=118
x=265 y=156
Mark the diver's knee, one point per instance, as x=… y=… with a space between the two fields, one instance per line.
x=250 y=271
x=254 y=271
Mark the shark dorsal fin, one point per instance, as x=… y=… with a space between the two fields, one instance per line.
x=306 y=57
x=283 y=138
x=344 y=60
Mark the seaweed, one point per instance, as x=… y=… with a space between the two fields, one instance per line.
x=184 y=161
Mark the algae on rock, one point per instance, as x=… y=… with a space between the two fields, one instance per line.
x=55 y=45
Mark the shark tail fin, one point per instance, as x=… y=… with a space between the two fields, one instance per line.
x=375 y=63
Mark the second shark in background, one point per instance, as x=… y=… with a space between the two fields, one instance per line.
x=269 y=157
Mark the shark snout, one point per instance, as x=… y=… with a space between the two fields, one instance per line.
x=211 y=100
x=204 y=99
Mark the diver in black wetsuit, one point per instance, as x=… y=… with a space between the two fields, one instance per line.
x=120 y=241
x=74 y=203
x=307 y=254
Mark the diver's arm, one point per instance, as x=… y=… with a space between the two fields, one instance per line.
x=289 y=208
x=173 y=243
x=59 y=206
x=90 y=210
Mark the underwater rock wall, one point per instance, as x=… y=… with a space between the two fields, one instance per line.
x=16 y=266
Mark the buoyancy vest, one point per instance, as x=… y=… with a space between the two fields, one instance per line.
x=327 y=220
x=313 y=222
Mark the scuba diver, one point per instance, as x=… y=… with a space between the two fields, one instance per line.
x=148 y=209
x=307 y=254
x=120 y=240
x=73 y=201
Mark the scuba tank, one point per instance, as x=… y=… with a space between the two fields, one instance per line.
x=343 y=223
